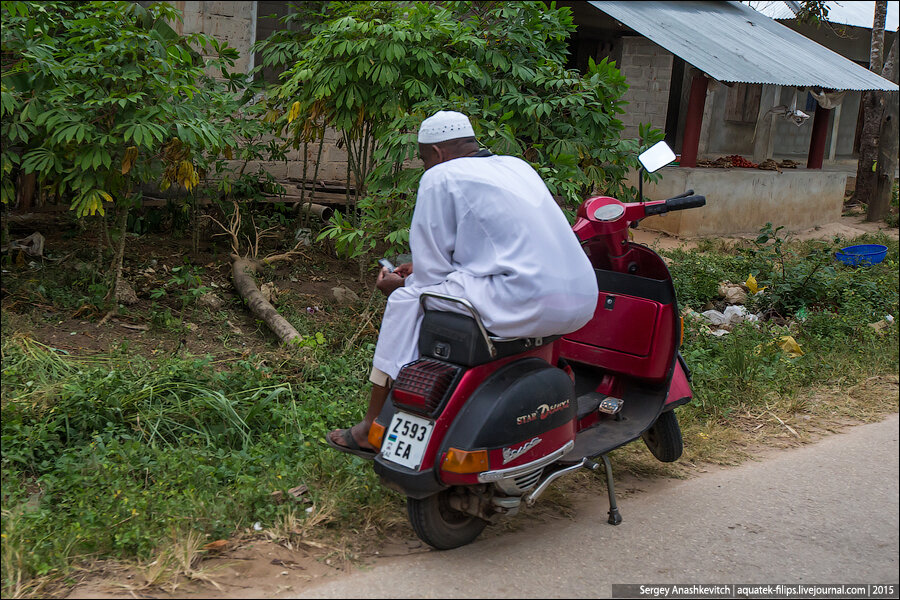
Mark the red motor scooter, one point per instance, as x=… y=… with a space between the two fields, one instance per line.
x=480 y=424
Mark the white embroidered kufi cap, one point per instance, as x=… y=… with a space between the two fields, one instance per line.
x=445 y=125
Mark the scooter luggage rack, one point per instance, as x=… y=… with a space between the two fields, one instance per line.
x=488 y=339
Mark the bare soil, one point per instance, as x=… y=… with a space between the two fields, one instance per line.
x=851 y=224
x=305 y=284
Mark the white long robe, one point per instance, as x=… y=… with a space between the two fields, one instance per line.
x=488 y=230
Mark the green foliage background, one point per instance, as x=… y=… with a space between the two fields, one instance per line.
x=91 y=92
x=374 y=70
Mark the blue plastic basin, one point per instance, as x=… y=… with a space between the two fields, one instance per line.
x=862 y=255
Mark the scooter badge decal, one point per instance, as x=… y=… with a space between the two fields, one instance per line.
x=543 y=411
x=514 y=453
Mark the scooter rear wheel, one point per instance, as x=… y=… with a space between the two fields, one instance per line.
x=664 y=438
x=439 y=525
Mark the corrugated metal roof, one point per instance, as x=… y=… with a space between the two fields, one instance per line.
x=858 y=13
x=732 y=42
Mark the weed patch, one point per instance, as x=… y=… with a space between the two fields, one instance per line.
x=106 y=456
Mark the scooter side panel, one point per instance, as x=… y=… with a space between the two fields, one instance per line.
x=642 y=346
x=516 y=403
x=654 y=366
x=470 y=382
x=521 y=413
x=622 y=324
x=424 y=483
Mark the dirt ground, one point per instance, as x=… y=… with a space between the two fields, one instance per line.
x=849 y=226
x=298 y=284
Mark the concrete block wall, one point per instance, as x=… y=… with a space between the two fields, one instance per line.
x=333 y=166
x=232 y=22
x=743 y=200
x=647 y=68
x=236 y=23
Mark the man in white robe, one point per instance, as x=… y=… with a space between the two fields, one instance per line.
x=485 y=228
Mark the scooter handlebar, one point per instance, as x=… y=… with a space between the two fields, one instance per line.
x=685 y=202
x=677 y=203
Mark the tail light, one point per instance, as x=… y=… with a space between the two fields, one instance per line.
x=423 y=385
x=465 y=461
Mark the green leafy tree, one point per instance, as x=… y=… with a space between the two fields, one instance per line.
x=101 y=97
x=374 y=70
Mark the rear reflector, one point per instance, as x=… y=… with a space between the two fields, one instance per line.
x=376 y=435
x=464 y=461
x=422 y=386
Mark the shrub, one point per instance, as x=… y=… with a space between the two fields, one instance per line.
x=374 y=70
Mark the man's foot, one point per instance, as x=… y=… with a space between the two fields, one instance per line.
x=346 y=440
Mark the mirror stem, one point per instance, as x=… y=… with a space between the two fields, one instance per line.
x=641 y=185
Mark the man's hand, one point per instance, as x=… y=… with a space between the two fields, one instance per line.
x=387 y=282
x=404 y=269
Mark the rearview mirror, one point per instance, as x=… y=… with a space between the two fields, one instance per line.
x=656 y=157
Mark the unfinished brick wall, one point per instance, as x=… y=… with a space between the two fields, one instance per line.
x=647 y=68
x=232 y=22
x=236 y=23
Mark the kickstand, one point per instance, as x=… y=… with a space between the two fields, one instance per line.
x=614 y=517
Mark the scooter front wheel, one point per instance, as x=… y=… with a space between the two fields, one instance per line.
x=439 y=525
x=664 y=438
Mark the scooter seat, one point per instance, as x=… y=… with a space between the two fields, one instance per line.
x=456 y=338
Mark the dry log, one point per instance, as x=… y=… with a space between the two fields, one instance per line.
x=242 y=271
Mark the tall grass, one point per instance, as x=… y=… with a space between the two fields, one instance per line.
x=107 y=455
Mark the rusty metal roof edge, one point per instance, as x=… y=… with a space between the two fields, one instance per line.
x=685 y=36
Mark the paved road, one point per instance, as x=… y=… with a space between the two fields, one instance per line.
x=823 y=513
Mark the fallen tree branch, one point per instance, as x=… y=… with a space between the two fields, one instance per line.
x=242 y=271
x=282 y=257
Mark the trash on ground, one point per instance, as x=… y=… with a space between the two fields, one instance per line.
x=790 y=346
x=303 y=236
x=33 y=245
x=733 y=293
x=269 y=292
x=722 y=322
x=752 y=285
x=879 y=326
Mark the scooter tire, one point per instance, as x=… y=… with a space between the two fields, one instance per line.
x=663 y=438
x=439 y=525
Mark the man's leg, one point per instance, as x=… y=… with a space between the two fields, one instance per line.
x=397 y=345
x=360 y=431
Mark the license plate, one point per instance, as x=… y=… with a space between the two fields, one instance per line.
x=406 y=439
